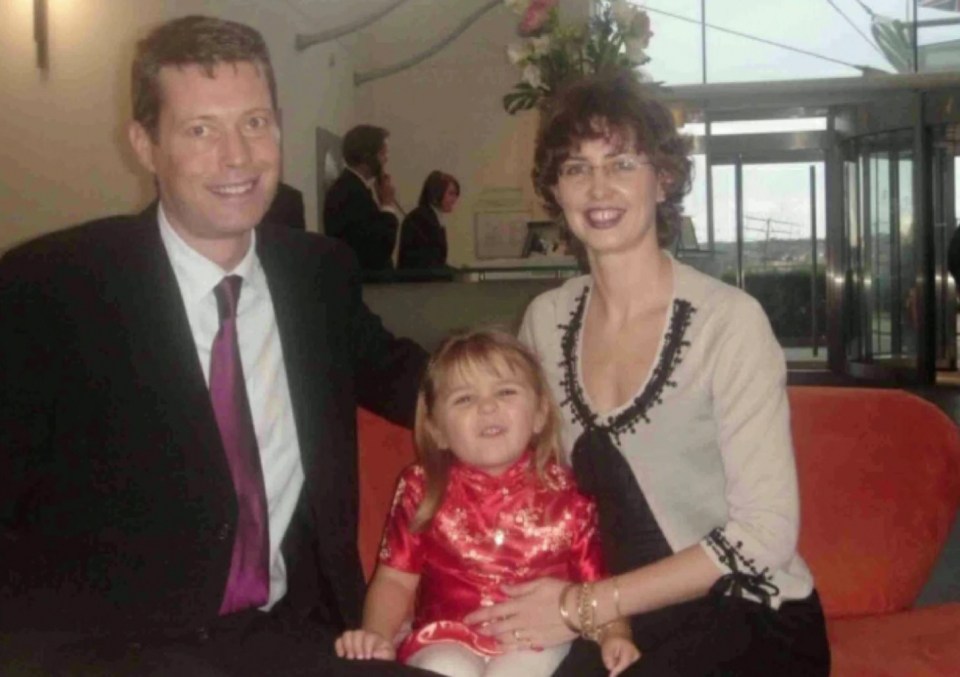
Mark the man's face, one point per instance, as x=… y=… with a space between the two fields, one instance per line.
x=216 y=155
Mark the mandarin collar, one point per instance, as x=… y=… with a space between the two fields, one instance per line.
x=516 y=475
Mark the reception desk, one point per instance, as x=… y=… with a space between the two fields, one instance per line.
x=426 y=305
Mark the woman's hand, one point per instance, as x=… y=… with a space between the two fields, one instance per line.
x=363 y=645
x=530 y=618
x=619 y=653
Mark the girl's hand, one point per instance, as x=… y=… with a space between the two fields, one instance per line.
x=619 y=653
x=529 y=619
x=364 y=645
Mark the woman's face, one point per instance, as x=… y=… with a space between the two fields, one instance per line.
x=449 y=199
x=609 y=196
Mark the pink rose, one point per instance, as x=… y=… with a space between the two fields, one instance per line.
x=536 y=15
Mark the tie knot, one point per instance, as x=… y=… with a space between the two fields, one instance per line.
x=228 y=296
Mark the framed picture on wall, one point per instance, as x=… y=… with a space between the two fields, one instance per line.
x=500 y=235
x=544 y=239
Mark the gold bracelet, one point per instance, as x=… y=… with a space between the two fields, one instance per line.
x=587 y=611
x=616 y=596
x=564 y=614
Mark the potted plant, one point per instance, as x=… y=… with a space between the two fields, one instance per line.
x=615 y=37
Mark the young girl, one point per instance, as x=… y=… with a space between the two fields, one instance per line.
x=488 y=506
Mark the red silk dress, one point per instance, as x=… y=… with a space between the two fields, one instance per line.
x=489 y=532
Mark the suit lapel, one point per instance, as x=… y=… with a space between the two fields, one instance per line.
x=302 y=323
x=165 y=355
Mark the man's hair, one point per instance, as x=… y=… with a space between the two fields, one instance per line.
x=362 y=144
x=617 y=108
x=192 y=40
x=435 y=187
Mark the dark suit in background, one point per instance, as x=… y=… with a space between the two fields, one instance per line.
x=953 y=256
x=287 y=208
x=351 y=214
x=423 y=241
x=116 y=502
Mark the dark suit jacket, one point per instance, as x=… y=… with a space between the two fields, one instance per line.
x=953 y=256
x=287 y=208
x=423 y=241
x=351 y=214
x=116 y=504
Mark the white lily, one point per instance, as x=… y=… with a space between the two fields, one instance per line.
x=517 y=53
x=540 y=45
x=531 y=75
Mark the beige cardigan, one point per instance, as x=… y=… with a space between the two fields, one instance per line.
x=711 y=446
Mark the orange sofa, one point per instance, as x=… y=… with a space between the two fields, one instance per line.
x=879 y=474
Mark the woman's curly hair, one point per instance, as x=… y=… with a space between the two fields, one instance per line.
x=616 y=107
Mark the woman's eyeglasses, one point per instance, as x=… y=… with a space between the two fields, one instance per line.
x=620 y=168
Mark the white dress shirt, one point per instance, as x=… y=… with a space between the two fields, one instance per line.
x=264 y=374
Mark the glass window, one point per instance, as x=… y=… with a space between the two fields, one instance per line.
x=795 y=39
x=675 y=51
x=695 y=208
x=768 y=126
x=783 y=251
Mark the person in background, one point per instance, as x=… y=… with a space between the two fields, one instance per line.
x=953 y=256
x=488 y=505
x=178 y=396
x=423 y=238
x=360 y=207
x=673 y=394
x=286 y=209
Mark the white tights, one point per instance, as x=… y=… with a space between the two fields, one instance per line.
x=455 y=660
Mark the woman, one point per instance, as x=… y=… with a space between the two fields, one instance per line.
x=673 y=396
x=423 y=241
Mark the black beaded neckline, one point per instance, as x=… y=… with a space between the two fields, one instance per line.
x=671 y=355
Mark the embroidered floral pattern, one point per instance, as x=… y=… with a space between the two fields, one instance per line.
x=669 y=359
x=744 y=576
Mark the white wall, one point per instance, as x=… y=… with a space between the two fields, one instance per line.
x=64 y=157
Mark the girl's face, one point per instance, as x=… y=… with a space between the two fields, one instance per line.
x=486 y=416
x=609 y=196
x=449 y=199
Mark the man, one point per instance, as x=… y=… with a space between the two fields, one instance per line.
x=360 y=207
x=178 y=481
x=953 y=256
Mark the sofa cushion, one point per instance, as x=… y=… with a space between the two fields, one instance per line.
x=920 y=643
x=873 y=517
x=384 y=450
x=879 y=474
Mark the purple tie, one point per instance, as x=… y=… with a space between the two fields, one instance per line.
x=249 y=582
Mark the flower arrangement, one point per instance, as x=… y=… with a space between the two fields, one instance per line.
x=616 y=36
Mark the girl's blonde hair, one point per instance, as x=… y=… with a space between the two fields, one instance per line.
x=463 y=352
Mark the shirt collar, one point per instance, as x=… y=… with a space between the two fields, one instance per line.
x=198 y=275
x=369 y=183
